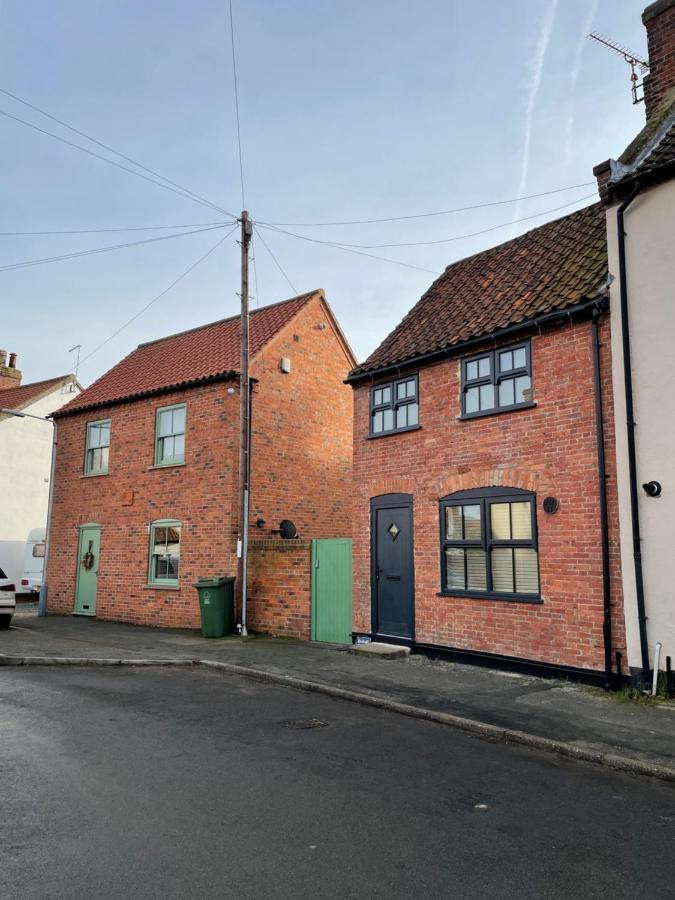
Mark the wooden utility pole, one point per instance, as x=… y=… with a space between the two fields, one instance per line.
x=245 y=418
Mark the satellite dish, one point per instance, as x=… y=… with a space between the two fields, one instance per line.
x=287 y=530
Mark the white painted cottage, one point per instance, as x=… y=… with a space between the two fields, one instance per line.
x=25 y=456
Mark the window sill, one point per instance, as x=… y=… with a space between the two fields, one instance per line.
x=491 y=595
x=171 y=465
x=495 y=412
x=94 y=474
x=382 y=434
x=161 y=587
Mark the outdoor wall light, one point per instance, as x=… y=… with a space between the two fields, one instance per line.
x=551 y=505
x=652 y=488
x=260 y=523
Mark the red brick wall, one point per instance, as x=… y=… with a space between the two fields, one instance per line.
x=659 y=20
x=550 y=449
x=133 y=494
x=302 y=430
x=9 y=377
x=280 y=582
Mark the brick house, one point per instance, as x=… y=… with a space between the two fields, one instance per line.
x=484 y=472
x=147 y=469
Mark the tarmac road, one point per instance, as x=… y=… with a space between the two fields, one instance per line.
x=172 y=783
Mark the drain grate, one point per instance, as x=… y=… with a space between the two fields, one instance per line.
x=302 y=724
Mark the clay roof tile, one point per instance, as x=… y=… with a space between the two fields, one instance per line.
x=551 y=267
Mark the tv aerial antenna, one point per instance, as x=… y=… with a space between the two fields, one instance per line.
x=77 y=347
x=634 y=61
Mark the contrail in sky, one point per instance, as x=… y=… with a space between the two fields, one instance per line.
x=537 y=69
x=586 y=28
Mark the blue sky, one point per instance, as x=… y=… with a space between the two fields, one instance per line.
x=349 y=110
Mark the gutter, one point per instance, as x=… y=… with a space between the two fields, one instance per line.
x=578 y=311
x=630 y=431
x=602 y=490
x=142 y=395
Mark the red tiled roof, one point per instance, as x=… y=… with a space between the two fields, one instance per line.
x=189 y=357
x=549 y=268
x=20 y=397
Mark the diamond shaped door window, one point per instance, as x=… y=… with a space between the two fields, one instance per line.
x=393 y=530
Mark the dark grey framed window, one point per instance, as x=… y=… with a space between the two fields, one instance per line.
x=489 y=544
x=394 y=406
x=497 y=380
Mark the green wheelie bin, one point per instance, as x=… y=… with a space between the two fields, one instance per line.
x=216 y=605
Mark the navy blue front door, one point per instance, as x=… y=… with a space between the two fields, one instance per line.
x=393 y=611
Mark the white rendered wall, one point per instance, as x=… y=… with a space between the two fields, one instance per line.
x=25 y=462
x=649 y=225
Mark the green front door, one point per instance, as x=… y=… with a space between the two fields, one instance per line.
x=332 y=590
x=87 y=570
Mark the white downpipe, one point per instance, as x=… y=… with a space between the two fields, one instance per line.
x=655 y=676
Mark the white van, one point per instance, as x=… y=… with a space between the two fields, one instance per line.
x=33 y=562
x=7 y=601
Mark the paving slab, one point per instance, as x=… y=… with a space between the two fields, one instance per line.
x=552 y=709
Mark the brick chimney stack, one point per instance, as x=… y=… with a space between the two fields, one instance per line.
x=10 y=376
x=659 y=20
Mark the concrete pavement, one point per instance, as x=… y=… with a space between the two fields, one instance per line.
x=581 y=717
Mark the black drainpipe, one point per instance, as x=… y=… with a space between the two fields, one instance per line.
x=602 y=484
x=630 y=426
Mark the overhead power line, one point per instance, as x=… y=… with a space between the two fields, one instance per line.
x=457 y=237
x=181 y=193
x=28 y=263
x=427 y=215
x=302 y=237
x=159 y=296
x=114 y=230
x=236 y=107
x=110 y=149
x=276 y=261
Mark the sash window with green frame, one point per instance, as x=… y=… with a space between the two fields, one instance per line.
x=98 y=444
x=170 y=435
x=489 y=544
x=164 y=552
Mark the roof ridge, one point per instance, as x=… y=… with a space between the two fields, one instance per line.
x=31 y=384
x=525 y=234
x=550 y=267
x=488 y=250
x=231 y=318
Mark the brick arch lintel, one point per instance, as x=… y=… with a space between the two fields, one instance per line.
x=391 y=485
x=527 y=479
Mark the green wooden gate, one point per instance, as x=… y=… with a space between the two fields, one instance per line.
x=332 y=590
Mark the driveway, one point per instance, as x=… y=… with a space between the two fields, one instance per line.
x=175 y=783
